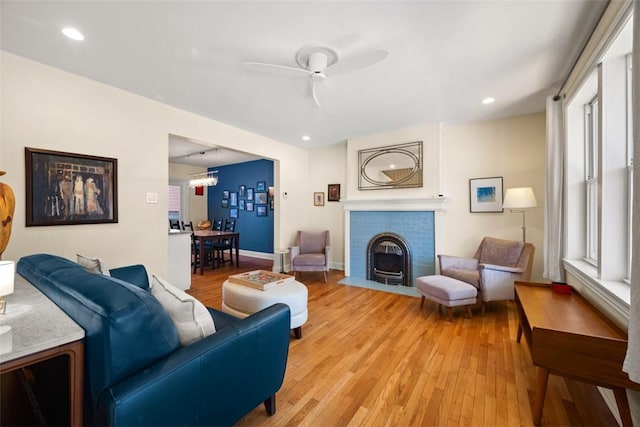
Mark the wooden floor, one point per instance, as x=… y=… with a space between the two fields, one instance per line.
x=375 y=358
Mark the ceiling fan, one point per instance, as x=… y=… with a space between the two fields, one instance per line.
x=318 y=62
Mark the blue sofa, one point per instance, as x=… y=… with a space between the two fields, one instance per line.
x=137 y=373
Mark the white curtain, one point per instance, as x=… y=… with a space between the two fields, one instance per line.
x=554 y=189
x=632 y=361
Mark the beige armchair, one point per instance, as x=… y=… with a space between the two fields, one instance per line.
x=495 y=266
x=311 y=252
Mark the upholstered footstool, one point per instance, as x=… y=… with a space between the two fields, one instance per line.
x=241 y=301
x=446 y=291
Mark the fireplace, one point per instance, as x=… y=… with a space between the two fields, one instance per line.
x=389 y=259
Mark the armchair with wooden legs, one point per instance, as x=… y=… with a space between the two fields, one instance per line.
x=493 y=269
x=311 y=252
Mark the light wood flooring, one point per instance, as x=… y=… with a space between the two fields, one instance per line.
x=376 y=359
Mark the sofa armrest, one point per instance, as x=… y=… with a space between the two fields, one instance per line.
x=456 y=262
x=214 y=381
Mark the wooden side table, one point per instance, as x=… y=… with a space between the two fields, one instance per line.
x=568 y=336
x=40 y=330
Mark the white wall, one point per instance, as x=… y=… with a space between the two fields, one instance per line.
x=512 y=148
x=429 y=135
x=329 y=167
x=198 y=210
x=44 y=107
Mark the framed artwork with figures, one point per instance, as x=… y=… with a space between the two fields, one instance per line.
x=69 y=188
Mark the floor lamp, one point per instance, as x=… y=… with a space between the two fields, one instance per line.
x=519 y=199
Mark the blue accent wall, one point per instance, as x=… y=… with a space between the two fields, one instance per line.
x=416 y=227
x=256 y=232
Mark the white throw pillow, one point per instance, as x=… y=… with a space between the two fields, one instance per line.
x=94 y=265
x=191 y=318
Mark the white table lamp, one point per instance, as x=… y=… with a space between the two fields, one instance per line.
x=7 y=274
x=519 y=199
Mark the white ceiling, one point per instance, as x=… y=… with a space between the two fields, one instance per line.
x=444 y=58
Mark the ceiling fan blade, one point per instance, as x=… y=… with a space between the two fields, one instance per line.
x=357 y=61
x=276 y=69
x=321 y=93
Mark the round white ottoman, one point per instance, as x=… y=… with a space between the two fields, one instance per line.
x=241 y=301
x=446 y=291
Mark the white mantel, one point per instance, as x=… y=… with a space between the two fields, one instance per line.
x=435 y=204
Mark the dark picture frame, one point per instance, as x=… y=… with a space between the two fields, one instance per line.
x=242 y=189
x=249 y=194
x=233 y=199
x=242 y=204
x=333 y=193
x=233 y=212
x=224 y=203
x=261 y=210
x=485 y=194
x=261 y=198
x=249 y=206
x=261 y=185
x=225 y=194
x=68 y=188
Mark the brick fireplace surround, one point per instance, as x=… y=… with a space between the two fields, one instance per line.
x=416 y=220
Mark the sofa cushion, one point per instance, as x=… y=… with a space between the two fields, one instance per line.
x=94 y=265
x=190 y=316
x=126 y=328
x=134 y=274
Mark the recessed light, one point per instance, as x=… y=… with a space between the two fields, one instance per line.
x=306 y=137
x=488 y=100
x=72 y=33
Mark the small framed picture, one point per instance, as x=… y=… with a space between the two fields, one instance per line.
x=333 y=193
x=200 y=191
x=242 y=189
x=241 y=204
x=224 y=203
x=249 y=206
x=261 y=210
x=318 y=198
x=261 y=198
x=233 y=199
x=249 y=194
x=485 y=194
x=233 y=212
x=271 y=203
x=225 y=194
x=261 y=186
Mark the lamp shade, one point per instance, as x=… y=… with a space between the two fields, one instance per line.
x=7 y=274
x=519 y=198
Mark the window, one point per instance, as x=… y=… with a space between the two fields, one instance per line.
x=598 y=176
x=591 y=118
x=629 y=141
x=174 y=202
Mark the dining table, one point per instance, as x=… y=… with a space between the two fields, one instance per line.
x=204 y=236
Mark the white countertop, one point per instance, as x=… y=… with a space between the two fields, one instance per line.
x=173 y=232
x=36 y=323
